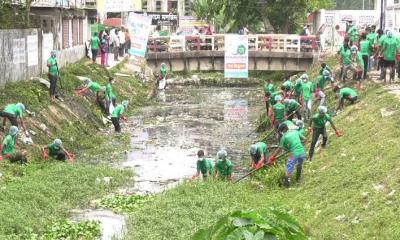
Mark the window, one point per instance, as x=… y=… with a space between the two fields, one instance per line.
x=396 y=1
x=188 y=8
x=52 y=23
x=80 y=31
x=158 y=6
x=65 y=33
x=75 y=32
x=44 y=25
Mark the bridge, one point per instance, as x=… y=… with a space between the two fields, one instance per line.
x=267 y=52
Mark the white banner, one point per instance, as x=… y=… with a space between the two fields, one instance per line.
x=47 y=47
x=139 y=30
x=33 y=50
x=119 y=6
x=236 y=56
x=19 y=50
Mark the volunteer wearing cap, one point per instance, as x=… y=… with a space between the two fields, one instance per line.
x=223 y=166
x=319 y=120
x=7 y=147
x=307 y=88
x=388 y=51
x=13 y=112
x=259 y=154
x=56 y=150
x=53 y=74
x=203 y=166
x=345 y=94
x=117 y=113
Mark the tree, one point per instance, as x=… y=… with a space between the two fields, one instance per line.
x=282 y=15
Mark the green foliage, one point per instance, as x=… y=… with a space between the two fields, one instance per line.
x=124 y=204
x=12 y=16
x=36 y=195
x=249 y=225
x=86 y=230
x=284 y=15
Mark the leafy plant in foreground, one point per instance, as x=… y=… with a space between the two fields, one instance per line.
x=249 y=225
x=124 y=204
x=66 y=230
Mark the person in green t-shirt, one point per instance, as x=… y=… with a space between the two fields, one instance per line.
x=13 y=112
x=94 y=46
x=203 y=166
x=278 y=110
x=56 y=150
x=292 y=108
x=287 y=89
x=353 y=34
x=259 y=155
x=53 y=74
x=270 y=98
x=347 y=63
x=297 y=89
x=300 y=128
x=223 y=166
x=359 y=65
x=324 y=67
x=97 y=89
x=379 y=45
x=110 y=96
x=345 y=94
x=117 y=113
x=320 y=83
x=319 y=120
x=398 y=55
x=7 y=147
x=268 y=88
x=365 y=50
x=388 y=51
x=307 y=89
x=291 y=141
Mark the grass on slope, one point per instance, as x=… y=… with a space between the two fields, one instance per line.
x=36 y=195
x=42 y=193
x=346 y=192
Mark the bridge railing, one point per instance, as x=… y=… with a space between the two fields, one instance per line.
x=260 y=42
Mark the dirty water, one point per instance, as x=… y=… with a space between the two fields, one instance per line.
x=166 y=136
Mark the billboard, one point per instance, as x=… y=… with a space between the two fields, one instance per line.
x=236 y=56
x=139 y=29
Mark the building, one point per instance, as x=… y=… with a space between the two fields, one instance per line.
x=392 y=15
x=180 y=7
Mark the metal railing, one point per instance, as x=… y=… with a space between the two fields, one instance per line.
x=262 y=42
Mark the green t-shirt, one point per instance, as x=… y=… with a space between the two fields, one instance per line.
x=288 y=124
x=291 y=140
x=381 y=40
x=279 y=112
x=53 y=69
x=94 y=42
x=288 y=85
x=365 y=47
x=320 y=81
x=346 y=54
x=389 y=46
x=109 y=92
x=292 y=106
x=302 y=131
x=347 y=92
x=272 y=97
x=269 y=87
x=306 y=89
x=205 y=167
x=320 y=122
x=118 y=110
x=163 y=71
x=9 y=147
x=224 y=168
x=371 y=37
x=13 y=109
x=297 y=87
x=53 y=149
x=359 y=60
x=261 y=150
x=95 y=87
x=353 y=33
